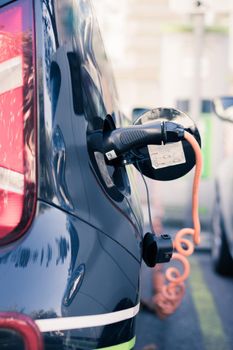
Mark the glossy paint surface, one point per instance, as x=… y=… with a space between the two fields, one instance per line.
x=61 y=254
x=82 y=253
x=73 y=54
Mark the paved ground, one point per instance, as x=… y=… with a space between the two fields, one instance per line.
x=204 y=321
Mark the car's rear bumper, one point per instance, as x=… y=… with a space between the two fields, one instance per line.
x=20 y=331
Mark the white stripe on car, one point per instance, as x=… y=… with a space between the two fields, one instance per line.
x=78 y=322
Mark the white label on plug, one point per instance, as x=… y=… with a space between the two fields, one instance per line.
x=162 y=156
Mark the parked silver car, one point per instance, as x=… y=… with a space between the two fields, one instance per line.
x=222 y=220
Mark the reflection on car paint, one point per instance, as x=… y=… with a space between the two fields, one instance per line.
x=58 y=169
x=72 y=261
x=23 y=256
x=74 y=284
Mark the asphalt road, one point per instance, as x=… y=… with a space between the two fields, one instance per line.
x=204 y=321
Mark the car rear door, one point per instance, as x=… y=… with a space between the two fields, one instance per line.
x=80 y=94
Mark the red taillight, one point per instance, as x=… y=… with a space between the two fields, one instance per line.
x=17 y=120
x=25 y=326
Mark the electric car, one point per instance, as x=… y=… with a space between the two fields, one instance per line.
x=71 y=229
x=222 y=248
x=70 y=225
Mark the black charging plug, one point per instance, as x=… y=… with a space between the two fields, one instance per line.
x=173 y=132
x=122 y=140
x=156 y=249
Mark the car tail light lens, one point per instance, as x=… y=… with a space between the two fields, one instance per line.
x=25 y=327
x=17 y=120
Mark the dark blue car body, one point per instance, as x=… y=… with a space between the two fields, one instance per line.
x=81 y=254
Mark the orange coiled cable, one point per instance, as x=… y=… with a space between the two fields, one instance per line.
x=170 y=288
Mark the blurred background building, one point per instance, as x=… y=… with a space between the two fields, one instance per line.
x=174 y=53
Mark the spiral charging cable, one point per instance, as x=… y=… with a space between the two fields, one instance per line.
x=118 y=146
x=170 y=287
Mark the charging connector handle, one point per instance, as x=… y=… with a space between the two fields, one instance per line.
x=156 y=249
x=122 y=140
